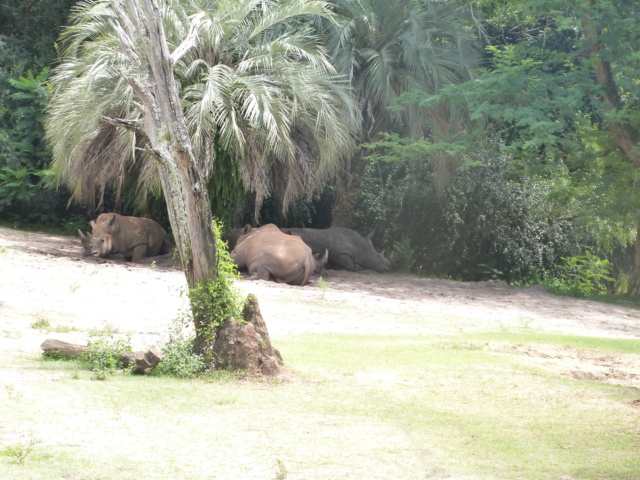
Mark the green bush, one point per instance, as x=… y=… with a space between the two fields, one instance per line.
x=581 y=276
x=490 y=222
x=179 y=359
x=103 y=355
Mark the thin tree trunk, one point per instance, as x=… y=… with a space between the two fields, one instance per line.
x=348 y=183
x=624 y=134
x=634 y=276
x=182 y=180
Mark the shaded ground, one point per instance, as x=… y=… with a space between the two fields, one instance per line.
x=44 y=276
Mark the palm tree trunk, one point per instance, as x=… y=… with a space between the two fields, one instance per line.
x=348 y=182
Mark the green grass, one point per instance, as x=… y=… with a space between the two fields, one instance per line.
x=378 y=407
x=615 y=345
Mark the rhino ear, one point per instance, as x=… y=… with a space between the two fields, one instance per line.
x=112 y=219
x=92 y=224
x=246 y=228
x=371 y=233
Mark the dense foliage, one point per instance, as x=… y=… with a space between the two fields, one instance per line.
x=27 y=49
x=489 y=223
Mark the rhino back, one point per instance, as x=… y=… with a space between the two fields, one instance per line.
x=341 y=242
x=129 y=232
x=287 y=258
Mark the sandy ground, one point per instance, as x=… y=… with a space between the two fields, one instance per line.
x=44 y=276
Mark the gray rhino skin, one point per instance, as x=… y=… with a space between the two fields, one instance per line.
x=348 y=250
x=269 y=254
x=133 y=237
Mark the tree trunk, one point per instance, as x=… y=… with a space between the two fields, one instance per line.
x=625 y=135
x=183 y=182
x=348 y=182
x=182 y=175
x=634 y=276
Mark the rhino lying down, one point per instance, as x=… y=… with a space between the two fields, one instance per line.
x=133 y=237
x=269 y=254
x=348 y=250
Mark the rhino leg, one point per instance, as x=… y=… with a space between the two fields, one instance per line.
x=262 y=273
x=139 y=252
x=344 y=261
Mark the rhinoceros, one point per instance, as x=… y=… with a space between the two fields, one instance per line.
x=269 y=254
x=348 y=250
x=133 y=237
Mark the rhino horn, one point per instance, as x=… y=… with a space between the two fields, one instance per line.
x=86 y=241
x=87 y=237
x=321 y=261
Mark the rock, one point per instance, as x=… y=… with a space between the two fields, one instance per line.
x=247 y=346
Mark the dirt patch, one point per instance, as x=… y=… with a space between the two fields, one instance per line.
x=44 y=276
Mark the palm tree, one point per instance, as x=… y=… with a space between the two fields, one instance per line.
x=389 y=48
x=168 y=88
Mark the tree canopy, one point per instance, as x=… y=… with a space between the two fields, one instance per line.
x=257 y=89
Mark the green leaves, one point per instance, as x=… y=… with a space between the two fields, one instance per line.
x=258 y=91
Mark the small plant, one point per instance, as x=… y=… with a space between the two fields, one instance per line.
x=581 y=276
x=41 y=324
x=224 y=401
x=179 y=359
x=281 y=470
x=324 y=286
x=63 y=329
x=154 y=265
x=74 y=287
x=48 y=256
x=107 y=330
x=103 y=356
x=12 y=393
x=21 y=451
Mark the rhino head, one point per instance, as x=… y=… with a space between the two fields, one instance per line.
x=372 y=259
x=98 y=243
x=88 y=244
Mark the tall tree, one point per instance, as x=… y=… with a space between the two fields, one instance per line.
x=168 y=85
x=562 y=88
x=389 y=48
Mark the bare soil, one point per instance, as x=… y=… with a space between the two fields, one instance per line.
x=46 y=277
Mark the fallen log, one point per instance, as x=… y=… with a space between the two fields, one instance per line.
x=141 y=361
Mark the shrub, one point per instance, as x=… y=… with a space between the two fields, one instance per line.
x=103 y=355
x=179 y=359
x=486 y=224
x=582 y=276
